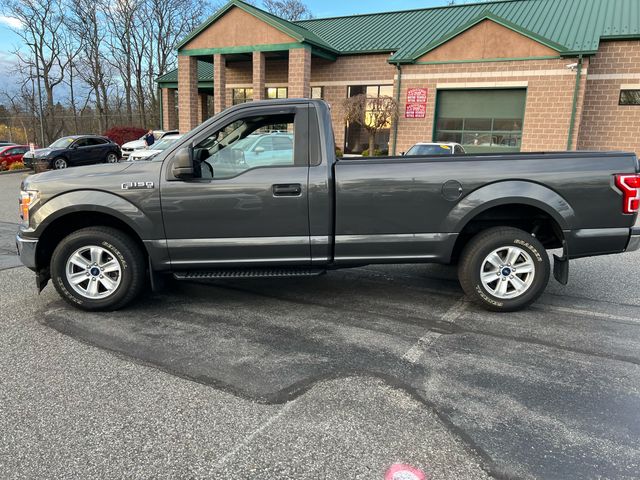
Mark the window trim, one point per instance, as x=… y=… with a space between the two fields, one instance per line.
x=300 y=145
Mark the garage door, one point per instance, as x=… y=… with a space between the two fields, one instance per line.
x=482 y=121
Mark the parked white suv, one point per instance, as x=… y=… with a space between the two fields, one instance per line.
x=130 y=147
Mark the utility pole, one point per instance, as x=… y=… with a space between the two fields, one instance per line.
x=39 y=93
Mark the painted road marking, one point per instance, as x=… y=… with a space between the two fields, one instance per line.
x=415 y=352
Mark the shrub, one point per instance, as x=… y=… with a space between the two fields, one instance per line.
x=3 y=166
x=16 y=166
x=376 y=153
x=122 y=134
x=339 y=153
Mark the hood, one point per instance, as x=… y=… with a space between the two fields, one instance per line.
x=145 y=153
x=43 y=152
x=135 y=144
x=53 y=181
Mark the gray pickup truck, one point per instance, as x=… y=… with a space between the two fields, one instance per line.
x=258 y=192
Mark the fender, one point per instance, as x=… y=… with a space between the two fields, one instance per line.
x=97 y=201
x=505 y=193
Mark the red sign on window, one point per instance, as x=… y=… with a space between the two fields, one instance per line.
x=416 y=110
x=417 y=95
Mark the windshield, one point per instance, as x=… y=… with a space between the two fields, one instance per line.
x=63 y=142
x=430 y=150
x=163 y=144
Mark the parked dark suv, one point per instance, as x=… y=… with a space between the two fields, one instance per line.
x=75 y=150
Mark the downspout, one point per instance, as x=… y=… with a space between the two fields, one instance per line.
x=395 y=124
x=574 y=107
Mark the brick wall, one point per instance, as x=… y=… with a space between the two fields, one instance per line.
x=188 y=97
x=605 y=124
x=550 y=87
x=336 y=76
x=299 y=73
x=169 y=117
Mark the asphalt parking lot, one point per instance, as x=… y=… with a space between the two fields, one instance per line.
x=336 y=377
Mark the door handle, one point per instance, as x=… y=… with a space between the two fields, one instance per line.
x=287 y=190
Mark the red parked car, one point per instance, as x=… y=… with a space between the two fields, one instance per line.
x=12 y=154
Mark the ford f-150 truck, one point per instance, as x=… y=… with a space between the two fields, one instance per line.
x=214 y=205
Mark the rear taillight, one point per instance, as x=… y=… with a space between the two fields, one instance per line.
x=629 y=185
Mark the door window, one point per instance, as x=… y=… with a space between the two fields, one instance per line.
x=263 y=141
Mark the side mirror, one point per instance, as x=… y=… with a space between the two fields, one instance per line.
x=183 y=163
x=73 y=147
x=259 y=150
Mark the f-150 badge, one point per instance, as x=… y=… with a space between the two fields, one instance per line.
x=137 y=185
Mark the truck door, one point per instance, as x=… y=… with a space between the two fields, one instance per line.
x=234 y=212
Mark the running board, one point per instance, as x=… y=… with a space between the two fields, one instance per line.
x=250 y=273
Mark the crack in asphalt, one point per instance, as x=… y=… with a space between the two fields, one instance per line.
x=295 y=390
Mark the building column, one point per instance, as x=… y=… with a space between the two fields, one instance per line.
x=187 y=93
x=169 y=119
x=219 y=83
x=203 y=107
x=259 y=75
x=300 y=73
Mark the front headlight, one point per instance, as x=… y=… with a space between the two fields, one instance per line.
x=27 y=200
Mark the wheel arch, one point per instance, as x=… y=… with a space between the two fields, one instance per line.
x=81 y=209
x=524 y=205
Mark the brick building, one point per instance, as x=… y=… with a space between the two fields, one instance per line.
x=511 y=75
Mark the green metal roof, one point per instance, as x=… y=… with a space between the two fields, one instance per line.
x=205 y=74
x=575 y=25
x=569 y=26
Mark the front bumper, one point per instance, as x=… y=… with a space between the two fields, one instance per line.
x=27 y=251
x=634 y=240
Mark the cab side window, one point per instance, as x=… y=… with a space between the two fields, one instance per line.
x=263 y=141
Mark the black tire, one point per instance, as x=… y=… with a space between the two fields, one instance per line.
x=474 y=259
x=59 y=163
x=112 y=157
x=118 y=246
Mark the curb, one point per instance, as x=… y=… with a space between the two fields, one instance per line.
x=9 y=172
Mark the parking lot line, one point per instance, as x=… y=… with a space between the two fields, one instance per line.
x=588 y=313
x=415 y=352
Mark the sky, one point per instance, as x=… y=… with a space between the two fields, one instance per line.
x=9 y=41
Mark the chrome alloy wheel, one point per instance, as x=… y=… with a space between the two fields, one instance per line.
x=93 y=272
x=507 y=272
x=112 y=158
x=60 y=163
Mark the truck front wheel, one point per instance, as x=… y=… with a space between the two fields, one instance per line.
x=504 y=269
x=98 y=268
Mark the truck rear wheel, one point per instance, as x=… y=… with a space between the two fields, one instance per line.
x=504 y=269
x=98 y=268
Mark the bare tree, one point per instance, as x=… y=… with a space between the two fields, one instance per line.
x=291 y=10
x=42 y=28
x=374 y=114
x=86 y=22
x=121 y=18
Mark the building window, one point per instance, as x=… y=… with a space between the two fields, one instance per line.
x=357 y=138
x=242 y=95
x=481 y=120
x=317 y=92
x=273 y=93
x=629 y=97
